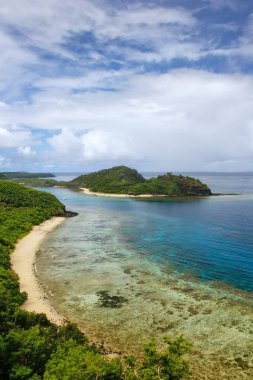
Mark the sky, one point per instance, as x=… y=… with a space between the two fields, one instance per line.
x=163 y=85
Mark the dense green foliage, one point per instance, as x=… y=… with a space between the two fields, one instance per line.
x=33 y=348
x=21 y=208
x=172 y=185
x=2 y=176
x=118 y=179
x=123 y=180
x=15 y=195
x=72 y=361
x=15 y=175
x=161 y=364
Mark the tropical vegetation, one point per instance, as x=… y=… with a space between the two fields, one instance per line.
x=31 y=347
x=123 y=180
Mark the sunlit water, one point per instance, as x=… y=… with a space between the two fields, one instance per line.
x=172 y=267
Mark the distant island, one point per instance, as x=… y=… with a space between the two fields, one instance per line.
x=18 y=175
x=124 y=181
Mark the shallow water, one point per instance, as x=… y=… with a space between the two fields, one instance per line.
x=166 y=268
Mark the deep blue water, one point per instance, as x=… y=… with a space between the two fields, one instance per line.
x=211 y=239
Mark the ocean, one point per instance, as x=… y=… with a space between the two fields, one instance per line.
x=172 y=266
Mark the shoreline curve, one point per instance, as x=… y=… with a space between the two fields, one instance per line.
x=112 y=195
x=23 y=264
x=87 y=191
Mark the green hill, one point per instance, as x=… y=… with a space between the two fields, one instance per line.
x=21 y=208
x=2 y=176
x=15 y=195
x=172 y=185
x=118 y=179
x=123 y=180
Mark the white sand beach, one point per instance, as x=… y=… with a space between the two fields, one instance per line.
x=88 y=192
x=23 y=263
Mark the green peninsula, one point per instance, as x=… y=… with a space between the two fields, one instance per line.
x=123 y=180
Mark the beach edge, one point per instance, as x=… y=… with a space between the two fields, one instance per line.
x=23 y=261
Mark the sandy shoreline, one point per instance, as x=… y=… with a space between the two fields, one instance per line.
x=88 y=192
x=23 y=260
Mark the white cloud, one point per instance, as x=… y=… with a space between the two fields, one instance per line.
x=66 y=143
x=12 y=136
x=145 y=23
x=4 y=163
x=99 y=145
x=90 y=146
x=151 y=34
x=4 y=105
x=242 y=46
x=26 y=151
x=66 y=150
x=230 y=4
x=245 y=45
x=13 y=65
x=186 y=119
x=50 y=25
x=165 y=33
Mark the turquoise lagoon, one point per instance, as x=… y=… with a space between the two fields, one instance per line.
x=173 y=267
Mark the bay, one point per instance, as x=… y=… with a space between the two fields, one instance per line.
x=171 y=267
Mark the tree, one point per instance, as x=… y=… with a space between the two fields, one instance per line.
x=76 y=362
x=165 y=364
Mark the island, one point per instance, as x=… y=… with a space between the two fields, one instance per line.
x=2 y=176
x=33 y=179
x=22 y=174
x=121 y=180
